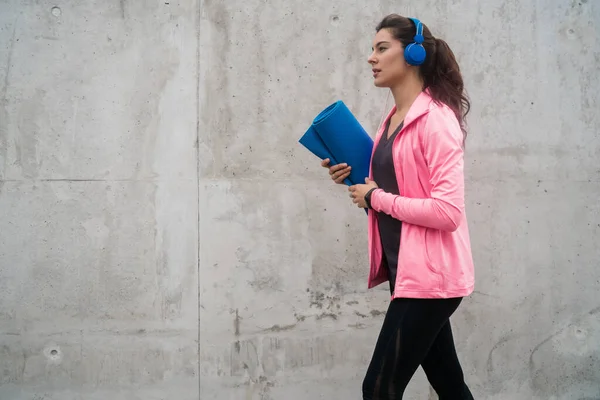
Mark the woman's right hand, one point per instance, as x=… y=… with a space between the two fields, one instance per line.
x=338 y=172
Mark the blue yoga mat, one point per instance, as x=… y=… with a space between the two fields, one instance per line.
x=336 y=134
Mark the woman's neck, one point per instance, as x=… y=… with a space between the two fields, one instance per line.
x=405 y=94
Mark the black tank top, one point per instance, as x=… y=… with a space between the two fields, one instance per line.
x=384 y=175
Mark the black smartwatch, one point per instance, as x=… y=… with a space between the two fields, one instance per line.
x=368 y=198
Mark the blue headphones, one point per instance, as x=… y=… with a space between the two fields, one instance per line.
x=415 y=53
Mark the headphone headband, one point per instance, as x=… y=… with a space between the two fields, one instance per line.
x=415 y=53
x=419 y=31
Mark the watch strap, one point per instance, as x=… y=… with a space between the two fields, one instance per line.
x=368 y=198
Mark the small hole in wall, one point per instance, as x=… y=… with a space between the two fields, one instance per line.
x=53 y=353
x=56 y=11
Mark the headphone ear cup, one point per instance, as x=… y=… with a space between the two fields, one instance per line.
x=415 y=54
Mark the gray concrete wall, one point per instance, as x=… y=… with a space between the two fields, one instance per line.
x=163 y=235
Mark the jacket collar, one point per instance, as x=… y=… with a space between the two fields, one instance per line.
x=418 y=108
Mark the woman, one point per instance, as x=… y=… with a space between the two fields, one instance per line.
x=418 y=233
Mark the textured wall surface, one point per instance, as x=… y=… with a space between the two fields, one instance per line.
x=164 y=236
x=98 y=200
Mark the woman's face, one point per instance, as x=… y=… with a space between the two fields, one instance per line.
x=387 y=60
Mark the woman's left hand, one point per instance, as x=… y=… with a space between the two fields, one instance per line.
x=357 y=192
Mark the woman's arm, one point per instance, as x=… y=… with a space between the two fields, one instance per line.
x=443 y=152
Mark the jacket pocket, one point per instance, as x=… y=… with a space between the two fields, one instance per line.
x=415 y=271
x=440 y=252
x=429 y=245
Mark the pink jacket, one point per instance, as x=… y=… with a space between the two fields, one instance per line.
x=435 y=251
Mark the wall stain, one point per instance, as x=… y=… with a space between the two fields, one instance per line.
x=376 y=313
x=360 y=67
x=32 y=118
x=322 y=301
x=122 y=7
x=594 y=311
x=264 y=279
x=489 y=363
x=317 y=299
x=9 y=62
x=326 y=315
x=358 y=325
x=432 y=394
x=278 y=328
x=236 y=323
x=260 y=387
x=261 y=73
x=215 y=108
x=245 y=358
x=555 y=378
x=170 y=293
x=155 y=70
x=13 y=370
x=485 y=294
x=4 y=115
x=300 y=318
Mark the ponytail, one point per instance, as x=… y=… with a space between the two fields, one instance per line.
x=442 y=77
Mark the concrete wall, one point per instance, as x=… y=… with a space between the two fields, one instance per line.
x=163 y=235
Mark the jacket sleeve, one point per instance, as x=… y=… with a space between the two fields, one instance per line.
x=443 y=153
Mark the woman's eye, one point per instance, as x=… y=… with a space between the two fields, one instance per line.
x=381 y=49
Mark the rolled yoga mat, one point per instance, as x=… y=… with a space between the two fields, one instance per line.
x=336 y=134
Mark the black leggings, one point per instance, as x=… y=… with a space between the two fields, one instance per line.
x=416 y=332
